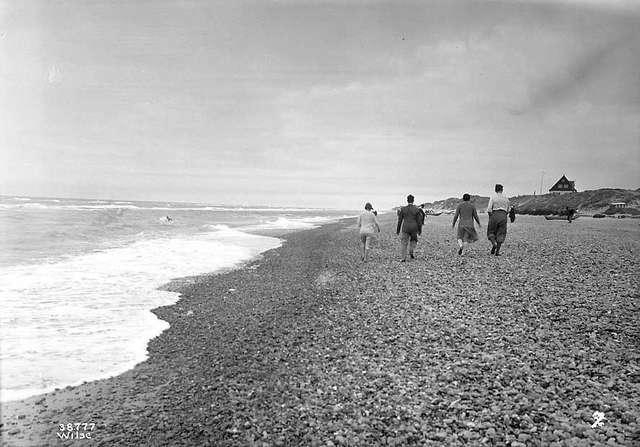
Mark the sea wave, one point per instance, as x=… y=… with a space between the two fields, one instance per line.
x=93 y=310
x=54 y=206
x=128 y=205
x=287 y=223
x=295 y=223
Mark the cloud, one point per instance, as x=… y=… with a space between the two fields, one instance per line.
x=339 y=96
x=606 y=5
x=594 y=66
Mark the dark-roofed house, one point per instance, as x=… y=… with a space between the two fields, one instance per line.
x=563 y=186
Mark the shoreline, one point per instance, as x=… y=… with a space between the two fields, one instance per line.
x=173 y=286
x=159 y=290
x=314 y=347
x=21 y=409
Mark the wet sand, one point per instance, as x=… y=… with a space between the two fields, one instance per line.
x=310 y=346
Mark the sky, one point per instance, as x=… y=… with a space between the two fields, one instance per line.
x=316 y=103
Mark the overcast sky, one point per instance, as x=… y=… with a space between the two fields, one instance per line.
x=316 y=103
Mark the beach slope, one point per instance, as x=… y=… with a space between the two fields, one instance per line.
x=310 y=346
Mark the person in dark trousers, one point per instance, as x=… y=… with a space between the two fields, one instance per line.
x=410 y=220
x=467 y=213
x=497 y=209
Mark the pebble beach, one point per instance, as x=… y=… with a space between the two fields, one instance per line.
x=308 y=345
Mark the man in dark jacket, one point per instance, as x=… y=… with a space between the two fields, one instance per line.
x=410 y=220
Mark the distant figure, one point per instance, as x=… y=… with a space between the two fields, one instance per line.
x=570 y=212
x=410 y=220
x=368 y=225
x=169 y=219
x=512 y=215
x=424 y=212
x=497 y=228
x=375 y=213
x=467 y=213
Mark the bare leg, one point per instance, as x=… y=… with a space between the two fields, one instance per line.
x=412 y=247
x=404 y=240
x=460 y=245
x=367 y=247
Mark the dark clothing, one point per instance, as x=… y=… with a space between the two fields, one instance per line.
x=411 y=235
x=497 y=227
x=467 y=233
x=512 y=215
x=570 y=214
x=467 y=214
x=410 y=220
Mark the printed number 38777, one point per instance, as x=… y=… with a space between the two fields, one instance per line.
x=86 y=426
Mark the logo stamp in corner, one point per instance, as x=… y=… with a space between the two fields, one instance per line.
x=78 y=430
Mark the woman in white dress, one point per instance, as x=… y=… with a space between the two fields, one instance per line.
x=368 y=225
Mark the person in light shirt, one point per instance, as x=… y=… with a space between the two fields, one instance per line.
x=497 y=210
x=368 y=225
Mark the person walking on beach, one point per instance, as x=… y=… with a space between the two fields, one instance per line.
x=368 y=225
x=467 y=213
x=497 y=209
x=423 y=216
x=410 y=220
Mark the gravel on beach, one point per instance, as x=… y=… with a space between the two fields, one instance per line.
x=308 y=345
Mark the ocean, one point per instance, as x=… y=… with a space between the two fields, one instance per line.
x=78 y=278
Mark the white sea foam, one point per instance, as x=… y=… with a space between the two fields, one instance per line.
x=279 y=210
x=280 y=223
x=87 y=204
x=26 y=205
x=97 y=207
x=218 y=227
x=54 y=206
x=128 y=205
x=88 y=317
x=290 y=223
